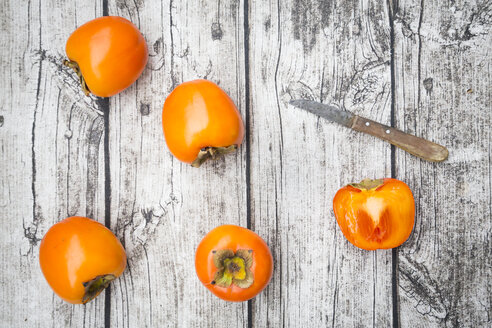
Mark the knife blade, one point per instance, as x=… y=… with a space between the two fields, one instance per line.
x=416 y=146
x=331 y=113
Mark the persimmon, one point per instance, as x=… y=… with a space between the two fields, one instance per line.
x=200 y=121
x=108 y=54
x=234 y=263
x=375 y=214
x=79 y=257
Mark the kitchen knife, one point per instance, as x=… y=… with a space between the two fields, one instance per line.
x=419 y=147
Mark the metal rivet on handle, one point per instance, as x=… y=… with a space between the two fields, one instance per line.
x=387 y=131
x=367 y=123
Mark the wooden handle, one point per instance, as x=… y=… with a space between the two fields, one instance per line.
x=422 y=148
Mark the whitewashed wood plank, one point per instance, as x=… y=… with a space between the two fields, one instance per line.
x=335 y=54
x=51 y=146
x=442 y=65
x=322 y=52
x=161 y=208
x=16 y=157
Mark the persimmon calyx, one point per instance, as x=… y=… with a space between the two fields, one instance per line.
x=212 y=153
x=233 y=268
x=95 y=286
x=73 y=65
x=368 y=184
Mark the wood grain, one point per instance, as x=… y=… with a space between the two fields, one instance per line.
x=51 y=146
x=162 y=208
x=442 y=68
x=422 y=66
x=333 y=54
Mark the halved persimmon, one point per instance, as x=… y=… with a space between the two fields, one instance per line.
x=375 y=214
x=79 y=257
x=200 y=121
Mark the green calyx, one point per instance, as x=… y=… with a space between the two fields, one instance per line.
x=95 y=286
x=368 y=184
x=212 y=153
x=233 y=268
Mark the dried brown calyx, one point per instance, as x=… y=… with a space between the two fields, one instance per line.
x=212 y=153
x=368 y=184
x=95 y=286
x=73 y=65
x=233 y=268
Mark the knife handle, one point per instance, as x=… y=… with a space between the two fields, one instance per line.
x=419 y=147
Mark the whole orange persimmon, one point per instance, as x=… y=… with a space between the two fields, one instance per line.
x=79 y=257
x=200 y=121
x=375 y=214
x=234 y=263
x=108 y=54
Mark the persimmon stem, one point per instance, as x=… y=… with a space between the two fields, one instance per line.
x=73 y=65
x=212 y=153
x=95 y=286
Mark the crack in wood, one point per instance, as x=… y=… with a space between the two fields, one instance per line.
x=417 y=285
x=95 y=134
x=69 y=81
x=141 y=225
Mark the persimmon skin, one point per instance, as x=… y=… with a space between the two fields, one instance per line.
x=110 y=52
x=199 y=114
x=234 y=238
x=376 y=218
x=77 y=250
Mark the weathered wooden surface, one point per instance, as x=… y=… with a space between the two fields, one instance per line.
x=423 y=66
x=52 y=160
x=309 y=49
x=161 y=208
x=442 y=90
